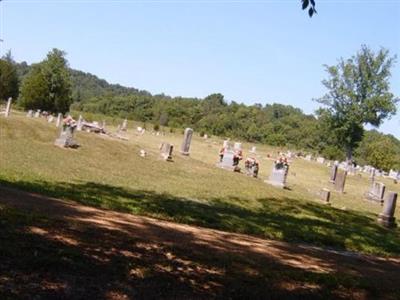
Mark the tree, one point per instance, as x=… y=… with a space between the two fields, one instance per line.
x=358 y=94
x=379 y=150
x=48 y=85
x=8 y=77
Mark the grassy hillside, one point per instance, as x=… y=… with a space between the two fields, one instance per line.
x=110 y=173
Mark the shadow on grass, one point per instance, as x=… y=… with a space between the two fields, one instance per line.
x=89 y=255
x=285 y=219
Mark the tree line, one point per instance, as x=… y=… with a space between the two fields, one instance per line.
x=358 y=93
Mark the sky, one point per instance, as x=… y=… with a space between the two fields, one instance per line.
x=251 y=51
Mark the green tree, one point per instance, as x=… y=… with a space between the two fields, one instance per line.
x=358 y=94
x=379 y=150
x=8 y=77
x=47 y=86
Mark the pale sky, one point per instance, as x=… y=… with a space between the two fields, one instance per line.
x=250 y=51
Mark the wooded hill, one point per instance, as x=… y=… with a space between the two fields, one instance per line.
x=273 y=124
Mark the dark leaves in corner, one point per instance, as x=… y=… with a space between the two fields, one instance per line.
x=310 y=4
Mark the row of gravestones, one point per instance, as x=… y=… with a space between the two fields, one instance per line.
x=277 y=177
x=376 y=194
x=229 y=160
x=352 y=170
x=50 y=118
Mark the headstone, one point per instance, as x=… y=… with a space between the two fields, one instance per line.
x=30 y=113
x=237 y=146
x=325 y=195
x=37 y=113
x=376 y=192
x=386 y=218
x=226 y=144
x=80 y=123
x=8 y=107
x=103 y=125
x=308 y=157
x=278 y=175
x=205 y=136
x=394 y=174
x=227 y=160
x=50 y=119
x=372 y=174
x=166 y=150
x=59 y=118
x=143 y=153
x=253 y=149
x=66 y=138
x=320 y=160
x=340 y=181
x=187 y=138
x=334 y=171
x=124 y=126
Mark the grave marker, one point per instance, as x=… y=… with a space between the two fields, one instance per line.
x=278 y=175
x=386 y=218
x=187 y=139
x=334 y=171
x=66 y=138
x=8 y=107
x=376 y=192
x=124 y=126
x=340 y=181
x=325 y=196
x=59 y=118
x=166 y=150
x=80 y=123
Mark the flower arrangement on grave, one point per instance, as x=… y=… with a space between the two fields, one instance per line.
x=252 y=166
x=238 y=156
x=281 y=163
x=69 y=122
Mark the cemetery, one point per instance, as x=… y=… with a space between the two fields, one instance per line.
x=199 y=150
x=129 y=174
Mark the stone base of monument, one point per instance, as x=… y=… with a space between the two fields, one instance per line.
x=275 y=183
x=387 y=221
x=229 y=167
x=185 y=153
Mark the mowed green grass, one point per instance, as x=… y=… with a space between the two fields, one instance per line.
x=109 y=173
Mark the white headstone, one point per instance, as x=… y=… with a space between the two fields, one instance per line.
x=80 y=123
x=59 y=119
x=124 y=126
x=8 y=107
